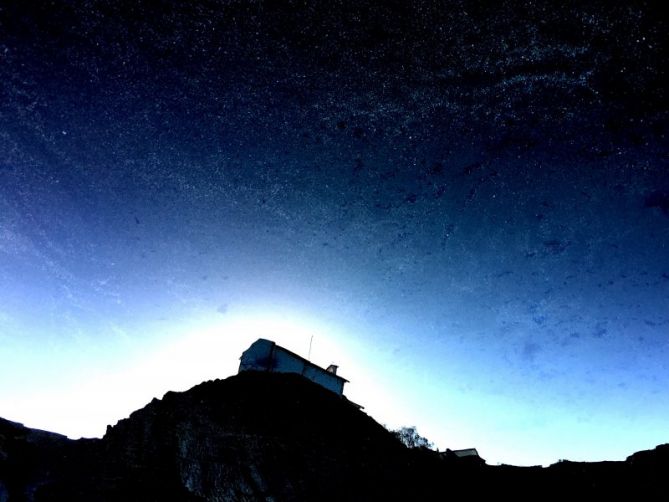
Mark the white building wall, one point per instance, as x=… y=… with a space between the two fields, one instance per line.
x=284 y=362
x=325 y=379
x=257 y=357
x=265 y=355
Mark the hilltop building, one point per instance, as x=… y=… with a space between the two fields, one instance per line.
x=469 y=455
x=265 y=355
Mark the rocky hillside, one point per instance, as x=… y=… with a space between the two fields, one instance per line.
x=276 y=437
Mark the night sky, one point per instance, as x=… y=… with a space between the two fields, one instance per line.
x=466 y=206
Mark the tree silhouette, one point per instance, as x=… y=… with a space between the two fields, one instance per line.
x=411 y=439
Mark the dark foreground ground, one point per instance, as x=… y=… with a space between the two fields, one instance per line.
x=279 y=437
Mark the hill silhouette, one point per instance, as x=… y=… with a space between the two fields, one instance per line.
x=261 y=436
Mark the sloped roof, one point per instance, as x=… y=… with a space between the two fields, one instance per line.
x=306 y=361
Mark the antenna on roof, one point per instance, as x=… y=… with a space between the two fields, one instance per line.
x=310 y=342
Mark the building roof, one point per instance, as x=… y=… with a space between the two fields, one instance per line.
x=306 y=361
x=467 y=452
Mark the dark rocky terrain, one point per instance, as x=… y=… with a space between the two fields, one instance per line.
x=278 y=437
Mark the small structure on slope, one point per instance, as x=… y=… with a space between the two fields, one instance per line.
x=469 y=455
x=265 y=355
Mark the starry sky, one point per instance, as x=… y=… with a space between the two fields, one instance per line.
x=466 y=205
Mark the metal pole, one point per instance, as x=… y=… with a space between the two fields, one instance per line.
x=310 y=342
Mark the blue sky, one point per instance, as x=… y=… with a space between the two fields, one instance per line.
x=482 y=334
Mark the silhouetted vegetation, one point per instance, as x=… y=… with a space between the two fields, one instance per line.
x=411 y=439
